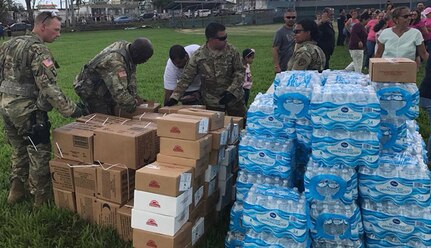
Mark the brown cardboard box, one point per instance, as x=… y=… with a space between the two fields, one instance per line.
x=150 y=125
x=64 y=199
x=85 y=180
x=74 y=141
x=106 y=213
x=182 y=127
x=102 y=119
x=62 y=174
x=151 y=107
x=164 y=179
x=236 y=120
x=124 y=220
x=198 y=230
x=216 y=118
x=186 y=148
x=199 y=165
x=132 y=146
x=115 y=183
x=217 y=156
x=393 y=70
x=210 y=188
x=145 y=239
x=220 y=137
x=210 y=203
x=150 y=117
x=198 y=192
x=175 y=108
x=85 y=206
x=197 y=212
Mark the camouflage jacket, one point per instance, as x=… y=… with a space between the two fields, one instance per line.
x=307 y=56
x=110 y=76
x=219 y=71
x=28 y=77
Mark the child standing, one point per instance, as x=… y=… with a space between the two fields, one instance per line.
x=247 y=60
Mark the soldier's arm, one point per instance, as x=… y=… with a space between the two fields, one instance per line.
x=133 y=85
x=45 y=75
x=189 y=73
x=238 y=76
x=114 y=74
x=301 y=61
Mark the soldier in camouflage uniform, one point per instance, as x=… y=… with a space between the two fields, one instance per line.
x=221 y=71
x=110 y=77
x=28 y=90
x=307 y=55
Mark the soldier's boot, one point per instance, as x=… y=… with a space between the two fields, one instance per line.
x=40 y=199
x=17 y=192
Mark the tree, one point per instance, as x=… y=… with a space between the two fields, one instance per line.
x=5 y=6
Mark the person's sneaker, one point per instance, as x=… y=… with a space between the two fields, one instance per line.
x=17 y=192
x=40 y=199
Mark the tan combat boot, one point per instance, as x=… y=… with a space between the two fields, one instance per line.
x=40 y=199
x=17 y=192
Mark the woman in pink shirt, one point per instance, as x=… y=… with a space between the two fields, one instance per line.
x=419 y=24
x=371 y=38
x=427 y=38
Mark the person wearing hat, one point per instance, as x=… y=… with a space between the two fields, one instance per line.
x=247 y=60
x=109 y=79
x=427 y=14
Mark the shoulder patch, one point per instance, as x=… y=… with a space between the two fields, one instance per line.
x=122 y=73
x=47 y=63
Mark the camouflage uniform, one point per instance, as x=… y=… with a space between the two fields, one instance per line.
x=28 y=90
x=219 y=71
x=307 y=56
x=108 y=79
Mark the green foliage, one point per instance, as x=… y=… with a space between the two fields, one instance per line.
x=23 y=226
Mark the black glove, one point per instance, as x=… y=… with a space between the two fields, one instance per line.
x=226 y=98
x=77 y=113
x=84 y=108
x=171 y=102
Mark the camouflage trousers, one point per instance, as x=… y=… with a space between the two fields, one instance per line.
x=97 y=105
x=233 y=108
x=29 y=162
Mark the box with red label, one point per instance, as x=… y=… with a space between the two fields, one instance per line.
x=124 y=221
x=62 y=174
x=151 y=107
x=74 y=141
x=85 y=206
x=164 y=179
x=105 y=213
x=175 y=108
x=85 y=180
x=115 y=183
x=162 y=204
x=216 y=118
x=182 y=127
x=102 y=119
x=65 y=199
x=194 y=149
x=158 y=223
x=199 y=165
x=145 y=239
x=150 y=117
x=132 y=145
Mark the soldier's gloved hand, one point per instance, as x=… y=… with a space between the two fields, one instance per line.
x=140 y=100
x=83 y=107
x=226 y=98
x=77 y=113
x=171 y=102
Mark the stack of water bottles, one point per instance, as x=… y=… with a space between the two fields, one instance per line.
x=396 y=195
x=345 y=114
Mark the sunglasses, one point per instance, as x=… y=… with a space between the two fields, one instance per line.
x=223 y=38
x=49 y=14
x=290 y=17
x=297 y=31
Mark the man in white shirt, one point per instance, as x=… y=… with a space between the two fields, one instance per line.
x=178 y=58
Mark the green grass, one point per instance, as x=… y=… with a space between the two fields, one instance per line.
x=23 y=226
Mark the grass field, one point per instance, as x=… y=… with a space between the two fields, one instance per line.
x=23 y=226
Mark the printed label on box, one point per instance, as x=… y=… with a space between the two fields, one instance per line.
x=199 y=195
x=185 y=181
x=203 y=125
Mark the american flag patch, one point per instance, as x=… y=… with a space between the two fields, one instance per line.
x=122 y=74
x=47 y=63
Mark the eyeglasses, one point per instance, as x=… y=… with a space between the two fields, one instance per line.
x=50 y=14
x=406 y=16
x=290 y=17
x=223 y=38
x=297 y=31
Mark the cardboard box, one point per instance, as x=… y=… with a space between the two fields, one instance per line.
x=197 y=212
x=235 y=119
x=148 y=125
x=62 y=174
x=393 y=70
x=224 y=172
x=132 y=146
x=106 y=213
x=74 y=141
x=102 y=119
x=216 y=118
x=158 y=223
x=211 y=172
x=150 y=117
x=234 y=137
x=115 y=183
x=194 y=149
x=85 y=180
x=210 y=188
x=64 y=199
x=210 y=203
x=151 y=107
x=162 y=204
x=199 y=165
x=231 y=155
x=182 y=127
x=198 y=191
x=85 y=206
x=220 y=137
x=216 y=156
x=198 y=230
x=164 y=179
x=124 y=221
x=175 y=108
x=225 y=189
x=144 y=239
